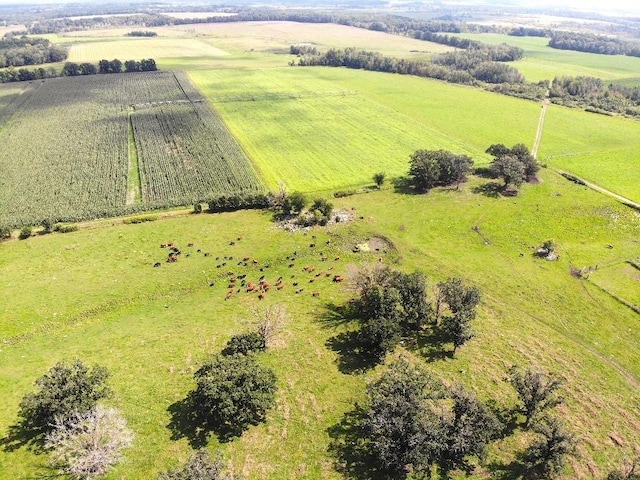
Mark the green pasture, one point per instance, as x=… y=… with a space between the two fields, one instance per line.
x=320 y=128
x=542 y=62
x=94 y=294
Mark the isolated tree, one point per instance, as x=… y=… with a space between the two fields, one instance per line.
x=378 y=179
x=399 y=428
x=85 y=445
x=66 y=389
x=536 y=390
x=429 y=168
x=510 y=169
x=5 y=232
x=459 y=298
x=424 y=170
x=293 y=203
x=269 y=323
x=25 y=232
x=521 y=152
x=233 y=392
x=548 y=454
x=201 y=466
x=471 y=426
x=458 y=329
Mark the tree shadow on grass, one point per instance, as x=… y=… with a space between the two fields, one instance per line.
x=335 y=315
x=349 y=449
x=22 y=435
x=508 y=417
x=353 y=356
x=489 y=189
x=431 y=344
x=187 y=423
x=403 y=185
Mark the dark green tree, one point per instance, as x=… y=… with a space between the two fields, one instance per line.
x=549 y=453
x=5 y=232
x=70 y=69
x=233 y=393
x=87 y=69
x=294 y=203
x=458 y=329
x=399 y=428
x=536 y=390
x=430 y=168
x=378 y=179
x=470 y=428
x=510 y=169
x=103 y=66
x=459 y=297
x=64 y=390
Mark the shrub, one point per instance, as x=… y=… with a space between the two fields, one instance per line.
x=66 y=389
x=245 y=343
x=378 y=178
x=197 y=207
x=47 y=225
x=86 y=445
x=140 y=219
x=223 y=397
x=5 y=232
x=65 y=228
x=25 y=232
x=200 y=467
x=294 y=203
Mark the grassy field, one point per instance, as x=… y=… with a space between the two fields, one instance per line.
x=94 y=294
x=324 y=128
x=542 y=62
x=601 y=149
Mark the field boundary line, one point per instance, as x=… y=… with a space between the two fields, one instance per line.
x=593 y=186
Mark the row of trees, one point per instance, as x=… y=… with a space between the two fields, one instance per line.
x=17 y=51
x=72 y=69
x=411 y=423
x=593 y=94
x=468 y=67
x=591 y=43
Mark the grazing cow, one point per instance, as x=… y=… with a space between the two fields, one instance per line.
x=157 y=264
x=163 y=245
x=336 y=259
x=189 y=244
x=311 y=245
x=239 y=238
x=323 y=259
x=254 y=261
x=319 y=274
x=328 y=274
x=246 y=259
x=207 y=254
x=315 y=294
x=338 y=278
x=232 y=243
x=291 y=265
x=261 y=296
x=311 y=280
x=251 y=287
x=211 y=284
x=198 y=250
x=328 y=242
x=280 y=286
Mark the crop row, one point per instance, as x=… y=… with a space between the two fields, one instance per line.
x=186 y=153
x=65 y=154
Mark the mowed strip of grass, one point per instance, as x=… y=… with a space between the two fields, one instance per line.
x=603 y=150
x=533 y=312
x=322 y=128
x=542 y=62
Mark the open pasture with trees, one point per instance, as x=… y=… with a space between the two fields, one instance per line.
x=95 y=295
x=78 y=166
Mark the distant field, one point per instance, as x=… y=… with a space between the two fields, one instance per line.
x=279 y=36
x=138 y=48
x=78 y=166
x=322 y=128
x=542 y=62
x=198 y=14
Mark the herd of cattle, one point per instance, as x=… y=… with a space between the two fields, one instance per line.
x=238 y=283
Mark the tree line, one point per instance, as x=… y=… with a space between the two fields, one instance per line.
x=16 y=51
x=592 y=43
x=594 y=95
x=465 y=67
x=72 y=69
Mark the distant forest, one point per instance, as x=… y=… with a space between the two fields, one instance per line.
x=16 y=51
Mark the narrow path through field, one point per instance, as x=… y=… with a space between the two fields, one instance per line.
x=134 y=189
x=543 y=113
x=598 y=188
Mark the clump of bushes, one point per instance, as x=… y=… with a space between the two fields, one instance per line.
x=140 y=219
x=60 y=228
x=25 y=233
